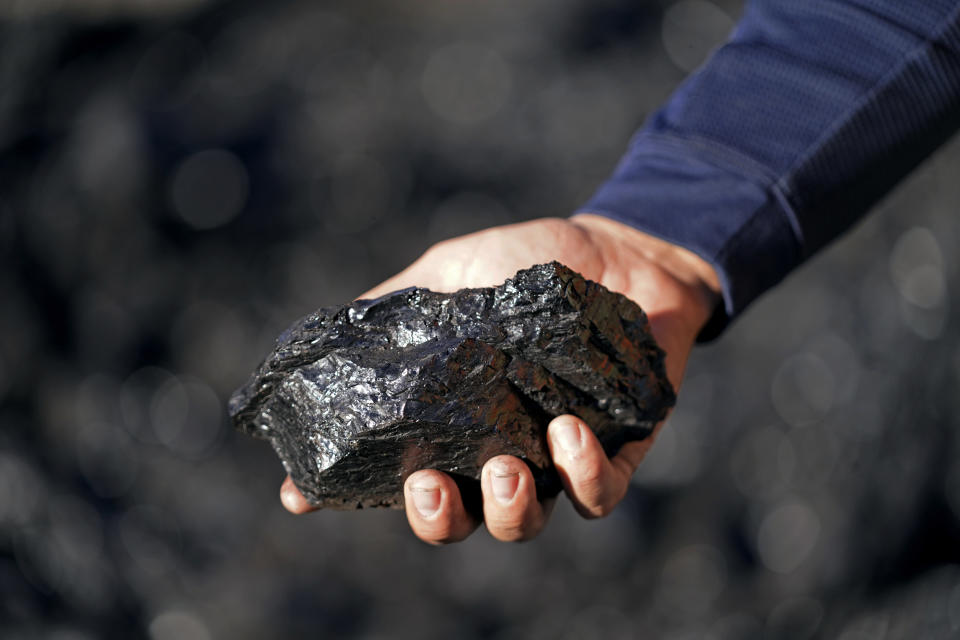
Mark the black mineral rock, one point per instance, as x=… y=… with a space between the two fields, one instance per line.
x=357 y=397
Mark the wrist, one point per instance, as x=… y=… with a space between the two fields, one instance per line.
x=682 y=282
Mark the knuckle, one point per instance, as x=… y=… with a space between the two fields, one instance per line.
x=516 y=523
x=438 y=534
x=511 y=530
x=597 y=492
x=512 y=533
x=590 y=476
x=596 y=511
x=625 y=467
x=507 y=526
x=587 y=513
x=633 y=453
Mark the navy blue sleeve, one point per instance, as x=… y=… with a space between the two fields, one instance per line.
x=808 y=115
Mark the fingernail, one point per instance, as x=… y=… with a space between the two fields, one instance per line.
x=292 y=500
x=426 y=500
x=289 y=499
x=566 y=433
x=505 y=482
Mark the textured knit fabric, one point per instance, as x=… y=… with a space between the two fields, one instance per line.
x=809 y=114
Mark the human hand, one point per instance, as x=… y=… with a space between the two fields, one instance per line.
x=676 y=289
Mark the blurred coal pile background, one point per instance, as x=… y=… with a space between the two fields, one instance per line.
x=179 y=179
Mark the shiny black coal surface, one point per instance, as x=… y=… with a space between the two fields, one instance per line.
x=355 y=398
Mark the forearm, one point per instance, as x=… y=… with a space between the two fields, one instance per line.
x=793 y=129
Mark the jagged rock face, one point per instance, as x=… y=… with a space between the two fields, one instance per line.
x=355 y=398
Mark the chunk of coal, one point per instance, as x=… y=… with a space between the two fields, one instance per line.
x=355 y=398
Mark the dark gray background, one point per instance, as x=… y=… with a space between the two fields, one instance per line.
x=179 y=179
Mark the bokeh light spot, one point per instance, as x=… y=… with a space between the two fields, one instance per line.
x=918 y=272
x=209 y=188
x=20 y=493
x=787 y=535
x=691 y=30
